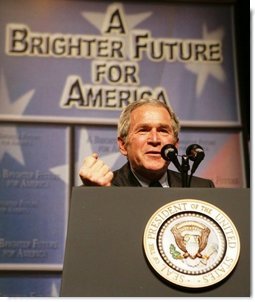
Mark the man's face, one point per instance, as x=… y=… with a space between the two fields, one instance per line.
x=150 y=129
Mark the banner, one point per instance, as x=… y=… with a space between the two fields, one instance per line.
x=34 y=196
x=89 y=60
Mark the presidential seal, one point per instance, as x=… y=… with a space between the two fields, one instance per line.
x=191 y=243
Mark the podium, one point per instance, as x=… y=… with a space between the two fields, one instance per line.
x=104 y=254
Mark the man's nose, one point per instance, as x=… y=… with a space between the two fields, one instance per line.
x=154 y=136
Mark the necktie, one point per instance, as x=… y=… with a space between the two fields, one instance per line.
x=155 y=184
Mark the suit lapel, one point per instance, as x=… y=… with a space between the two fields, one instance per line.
x=174 y=179
x=125 y=177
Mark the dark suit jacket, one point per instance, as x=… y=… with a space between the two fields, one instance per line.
x=125 y=178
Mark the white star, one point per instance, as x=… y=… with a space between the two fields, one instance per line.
x=9 y=138
x=8 y=107
x=9 y=143
x=203 y=70
x=100 y=20
x=61 y=172
x=54 y=290
x=97 y=19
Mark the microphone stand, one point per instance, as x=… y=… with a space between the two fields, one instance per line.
x=184 y=171
x=194 y=152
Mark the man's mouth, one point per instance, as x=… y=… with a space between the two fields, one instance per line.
x=153 y=153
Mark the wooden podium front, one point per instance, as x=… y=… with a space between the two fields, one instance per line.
x=104 y=254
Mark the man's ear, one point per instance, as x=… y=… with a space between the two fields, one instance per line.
x=122 y=146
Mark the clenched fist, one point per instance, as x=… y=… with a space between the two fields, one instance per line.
x=94 y=172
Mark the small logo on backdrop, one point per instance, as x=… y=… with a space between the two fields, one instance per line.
x=191 y=243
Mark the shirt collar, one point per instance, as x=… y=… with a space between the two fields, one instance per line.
x=163 y=180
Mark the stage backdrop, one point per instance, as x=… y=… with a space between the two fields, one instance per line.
x=67 y=68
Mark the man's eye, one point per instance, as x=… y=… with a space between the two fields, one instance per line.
x=164 y=130
x=143 y=130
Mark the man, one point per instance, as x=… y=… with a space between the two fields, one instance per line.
x=144 y=128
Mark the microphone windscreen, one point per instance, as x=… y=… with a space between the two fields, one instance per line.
x=193 y=151
x=168 y=152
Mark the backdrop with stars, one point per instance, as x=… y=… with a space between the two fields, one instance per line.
x=67 y=68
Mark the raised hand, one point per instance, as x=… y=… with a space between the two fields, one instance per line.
x=94 y=172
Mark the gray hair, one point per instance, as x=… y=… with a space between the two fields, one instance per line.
x=124 y=121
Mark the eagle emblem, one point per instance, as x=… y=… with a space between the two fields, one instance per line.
x=191 y=237
x=188 y=247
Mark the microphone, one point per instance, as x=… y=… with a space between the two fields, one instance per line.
x=169 y=153
x=195 y=153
